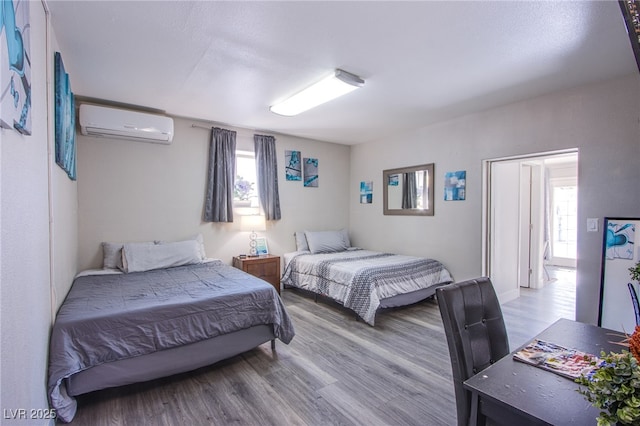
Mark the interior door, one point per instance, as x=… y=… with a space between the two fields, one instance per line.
x=505 y=228
x=526 y=227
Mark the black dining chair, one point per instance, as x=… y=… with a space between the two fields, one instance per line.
x=476 y=334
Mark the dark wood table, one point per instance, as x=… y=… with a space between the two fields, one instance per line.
x=512 y=392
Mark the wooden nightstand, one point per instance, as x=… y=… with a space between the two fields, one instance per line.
x=266 y=267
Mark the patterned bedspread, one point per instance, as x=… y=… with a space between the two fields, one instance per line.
x=359 y=279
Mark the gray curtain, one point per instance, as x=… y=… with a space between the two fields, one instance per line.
x=218 y=203
x=409 y=191
x=267 y=174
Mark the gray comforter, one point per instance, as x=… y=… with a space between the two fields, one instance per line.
x=107 y=318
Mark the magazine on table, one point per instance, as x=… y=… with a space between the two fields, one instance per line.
x=566 y=362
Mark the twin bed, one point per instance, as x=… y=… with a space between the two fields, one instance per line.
x=361 y=280
x=158 y=309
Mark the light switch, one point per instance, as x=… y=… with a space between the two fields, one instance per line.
x=592 y=224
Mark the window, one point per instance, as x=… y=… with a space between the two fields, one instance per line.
x=245 y=188
x=565 y=213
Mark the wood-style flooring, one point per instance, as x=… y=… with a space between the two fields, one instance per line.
x=336 y=371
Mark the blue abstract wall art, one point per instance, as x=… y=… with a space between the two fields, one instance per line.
x=65 y=119
x=619 y=240
x=15 y=66
x=293 y=168
x=310 y=168
x=366 y=192
x=455 y=185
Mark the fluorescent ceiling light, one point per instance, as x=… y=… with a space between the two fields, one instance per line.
x=337 y=84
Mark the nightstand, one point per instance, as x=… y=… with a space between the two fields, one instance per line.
x=266 y=267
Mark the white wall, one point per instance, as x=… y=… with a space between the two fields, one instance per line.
x=64 y=233
x=63 y=204
x=24 y=272
x=601 y=120
x=135 y=191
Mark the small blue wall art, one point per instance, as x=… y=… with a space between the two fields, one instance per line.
x=454 y=185
x=310 y=172
x=366 y=192
x=293 y=168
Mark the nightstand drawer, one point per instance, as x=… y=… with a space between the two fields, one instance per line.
x=264 y=267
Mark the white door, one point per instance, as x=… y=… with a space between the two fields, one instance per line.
x=505 y=228
x=526 y=227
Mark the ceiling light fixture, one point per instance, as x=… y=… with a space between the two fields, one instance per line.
x=337 y=84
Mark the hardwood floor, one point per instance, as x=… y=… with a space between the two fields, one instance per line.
x=336 y=371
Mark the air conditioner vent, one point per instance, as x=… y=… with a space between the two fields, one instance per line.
x=118 y=123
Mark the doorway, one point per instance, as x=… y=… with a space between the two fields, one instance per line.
x=529 y=219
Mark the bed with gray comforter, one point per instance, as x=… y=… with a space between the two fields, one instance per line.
x=365 y=280
x=118 y=319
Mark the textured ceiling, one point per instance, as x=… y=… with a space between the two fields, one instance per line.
x=423 y=62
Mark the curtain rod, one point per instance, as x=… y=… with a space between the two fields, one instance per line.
x=239 y=130
x=202 y=127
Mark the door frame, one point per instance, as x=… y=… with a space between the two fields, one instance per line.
x=486 y=217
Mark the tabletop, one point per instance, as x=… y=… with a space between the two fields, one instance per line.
x=538 y=396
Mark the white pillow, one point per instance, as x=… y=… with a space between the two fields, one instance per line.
x=345 y=236
x=200 y=240
x=327 y=241
x=138 y=257
x=301 y=241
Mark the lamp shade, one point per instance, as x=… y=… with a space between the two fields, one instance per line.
x=252 y=223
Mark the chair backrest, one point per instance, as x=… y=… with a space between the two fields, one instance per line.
x=476 y=334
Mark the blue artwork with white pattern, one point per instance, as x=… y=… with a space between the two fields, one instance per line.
x=310 y=172
x=293 y=168
x=455 y=185
x=15 y=66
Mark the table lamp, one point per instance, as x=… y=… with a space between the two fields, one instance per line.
x=252 y=223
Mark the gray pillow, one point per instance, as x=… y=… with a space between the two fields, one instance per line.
x=327 y=241
x=301 y=241
x=138 y=257
x=112 y=255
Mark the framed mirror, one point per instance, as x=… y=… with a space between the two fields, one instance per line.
x=408 y=191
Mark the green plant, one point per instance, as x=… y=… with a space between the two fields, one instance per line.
x=614 y=388
x=634 y=272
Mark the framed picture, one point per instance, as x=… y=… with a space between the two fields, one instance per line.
x=293 y=168
x=261 y=246
x=310 y=172
x=620 y=251
x=65 y=120
x=454 y=185
x=366 y=192
x=631 y=13
x=15 y=66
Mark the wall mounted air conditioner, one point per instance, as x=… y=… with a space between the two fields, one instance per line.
x=125 y=124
